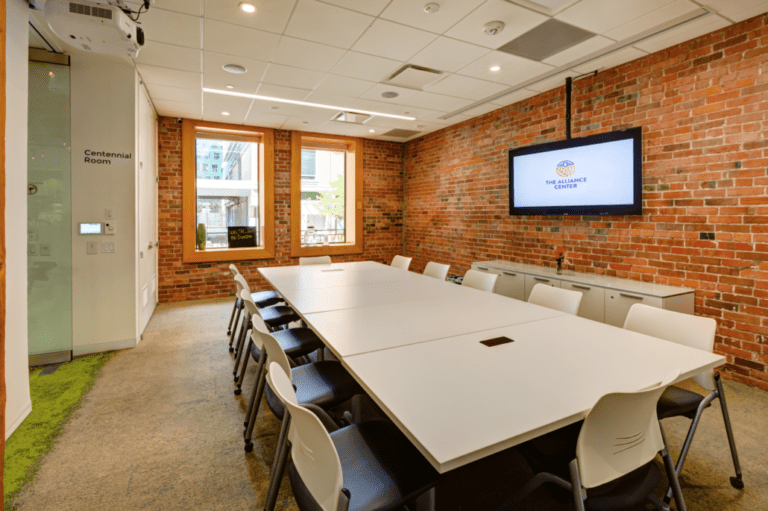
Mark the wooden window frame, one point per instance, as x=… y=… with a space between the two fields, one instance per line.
x=354 y=145
x=190 y=254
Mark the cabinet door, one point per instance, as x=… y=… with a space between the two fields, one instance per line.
x=592 y=300
x=532 y=280
x=618 y=303
x=511 y=284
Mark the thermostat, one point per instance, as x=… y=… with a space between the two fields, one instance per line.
x=92 y=228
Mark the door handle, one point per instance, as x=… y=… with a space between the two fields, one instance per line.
x=586 y=288
x=540 y=279
x=151 y=246
x=625 y=295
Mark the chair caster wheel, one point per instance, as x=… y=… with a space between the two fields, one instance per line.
x=737 y=483
x=231 y=349
x=249 y=447
x=237 y=392
x=229 y=332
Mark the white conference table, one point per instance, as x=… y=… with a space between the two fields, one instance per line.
x=417 y=353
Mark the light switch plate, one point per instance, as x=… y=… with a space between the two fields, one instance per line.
x=45 y=249
x=110 y=228
x=109 y=213
x=108 y=247
x=92 y=247
x=31 y=249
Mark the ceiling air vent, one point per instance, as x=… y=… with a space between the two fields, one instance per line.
x=413 y=77
x=351 y=117
x=398 y=133
x=545 y=40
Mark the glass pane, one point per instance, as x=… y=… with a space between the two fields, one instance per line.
x=323 y=197
x=49 y=210
x=227 y=188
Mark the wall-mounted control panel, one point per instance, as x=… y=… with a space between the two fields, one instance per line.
x=91 y=228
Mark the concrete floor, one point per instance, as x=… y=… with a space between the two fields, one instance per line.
x=161 y=429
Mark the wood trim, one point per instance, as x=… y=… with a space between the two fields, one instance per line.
x=354 y=145
x=3 y=395
x=190 y=254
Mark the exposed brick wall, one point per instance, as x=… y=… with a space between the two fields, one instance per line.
x=702 y=105
x=382 y=215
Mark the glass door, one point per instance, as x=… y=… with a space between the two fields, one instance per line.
x=49 y=209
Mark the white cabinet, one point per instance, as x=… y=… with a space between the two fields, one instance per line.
x=618 y=303
x=532 y=280
x=592 y=300
x=511 y=284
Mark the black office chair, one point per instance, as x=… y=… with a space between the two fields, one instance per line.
x=367 y=466
x=607 y=461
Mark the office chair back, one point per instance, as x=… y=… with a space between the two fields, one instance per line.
x=240 y=280
x=401 y=262
x=275 y=354
x=233 y=270
x=479 y=280
x=563 y=300
x=693 y=331
x=306 y=261
x=437 y=270
x=259 y=330
x=620 y=434
x=312 y=449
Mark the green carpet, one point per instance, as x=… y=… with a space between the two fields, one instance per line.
x=54 y=398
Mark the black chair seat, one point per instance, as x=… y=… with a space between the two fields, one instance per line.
x=381 y=468
x=325 y=384
x=676 y=401
x=266 y=298
x=626 y=491
x=296 y=342
x=278 y=316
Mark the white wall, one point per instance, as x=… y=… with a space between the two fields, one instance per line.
x=19 y=404
x=103 y=284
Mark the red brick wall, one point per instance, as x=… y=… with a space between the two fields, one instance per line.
x=382 y=215
x=702 y=105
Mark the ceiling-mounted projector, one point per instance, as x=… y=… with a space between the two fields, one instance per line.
x=99 y=26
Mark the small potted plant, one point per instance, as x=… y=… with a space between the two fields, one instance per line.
x=560 y=252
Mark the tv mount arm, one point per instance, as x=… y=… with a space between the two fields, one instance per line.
x=568 y=88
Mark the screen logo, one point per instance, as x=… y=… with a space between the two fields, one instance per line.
x=565 y=168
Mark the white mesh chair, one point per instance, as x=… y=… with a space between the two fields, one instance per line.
x=306 y=261
x=696 y=332
x=370 y=465
x=611 y=454
x=479 y=280
x=437 y=270
x=563 y=300
x=401 y=262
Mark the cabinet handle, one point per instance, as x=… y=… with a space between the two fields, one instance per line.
x=625 y=295
x=540 y=279
x=577 y=286
x=482 y=268
x=510 y=273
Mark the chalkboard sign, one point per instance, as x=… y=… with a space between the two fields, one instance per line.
x=239 y=237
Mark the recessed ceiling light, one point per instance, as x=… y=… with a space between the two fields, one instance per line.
x=305 y=103
x=230 y=86
x=247 y=7
x=234 y=68
x=495 y=68
x=224 y=113
x=389 y=94
x=372 y=131
x=274 y=107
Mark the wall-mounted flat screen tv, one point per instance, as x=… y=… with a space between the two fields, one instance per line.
x=596 y=175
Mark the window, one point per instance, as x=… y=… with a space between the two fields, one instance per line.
x=234 y=192
x=327 y=185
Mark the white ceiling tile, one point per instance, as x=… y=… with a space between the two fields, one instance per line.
x=171 y=28
x=436 y=102
x=215 y=104
x=514 y=97
x=169 y=55
x=292 y=77
x=683 y=33
x=488 y=90
x=371 y=7
x=652 y=19
x=177 y=109
x=303 y=123
x=552 y=82
x=265 y=120
x=421 y=126
x=344 y=86
x=526 y=74
x=306 y=54
x=241 y=83
x=382 y=124
x=481 y=109
x=290 y=110
x=278 y=91
x=270 y=15
x=611 y=60
x=375 y=92
x=460 y=86
x=239 y=41
x=575 y=52
x=393 y=41
x=600 y=16
x=165 y=93
x=516 y=19
x=365 y=67
x=170 y=77
x=509 y=64
x=412 y=13
x=213 y=64
x=193 y=7
x=329 y=98
x=740 y=11
x=446 y=54
x=327 y=24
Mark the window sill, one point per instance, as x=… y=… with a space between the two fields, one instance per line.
x=226 y=254
x=335 y=249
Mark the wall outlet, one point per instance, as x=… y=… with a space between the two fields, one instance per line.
x=108 y=247
x=45 y=249
x=31 y=249
x=92 y=247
